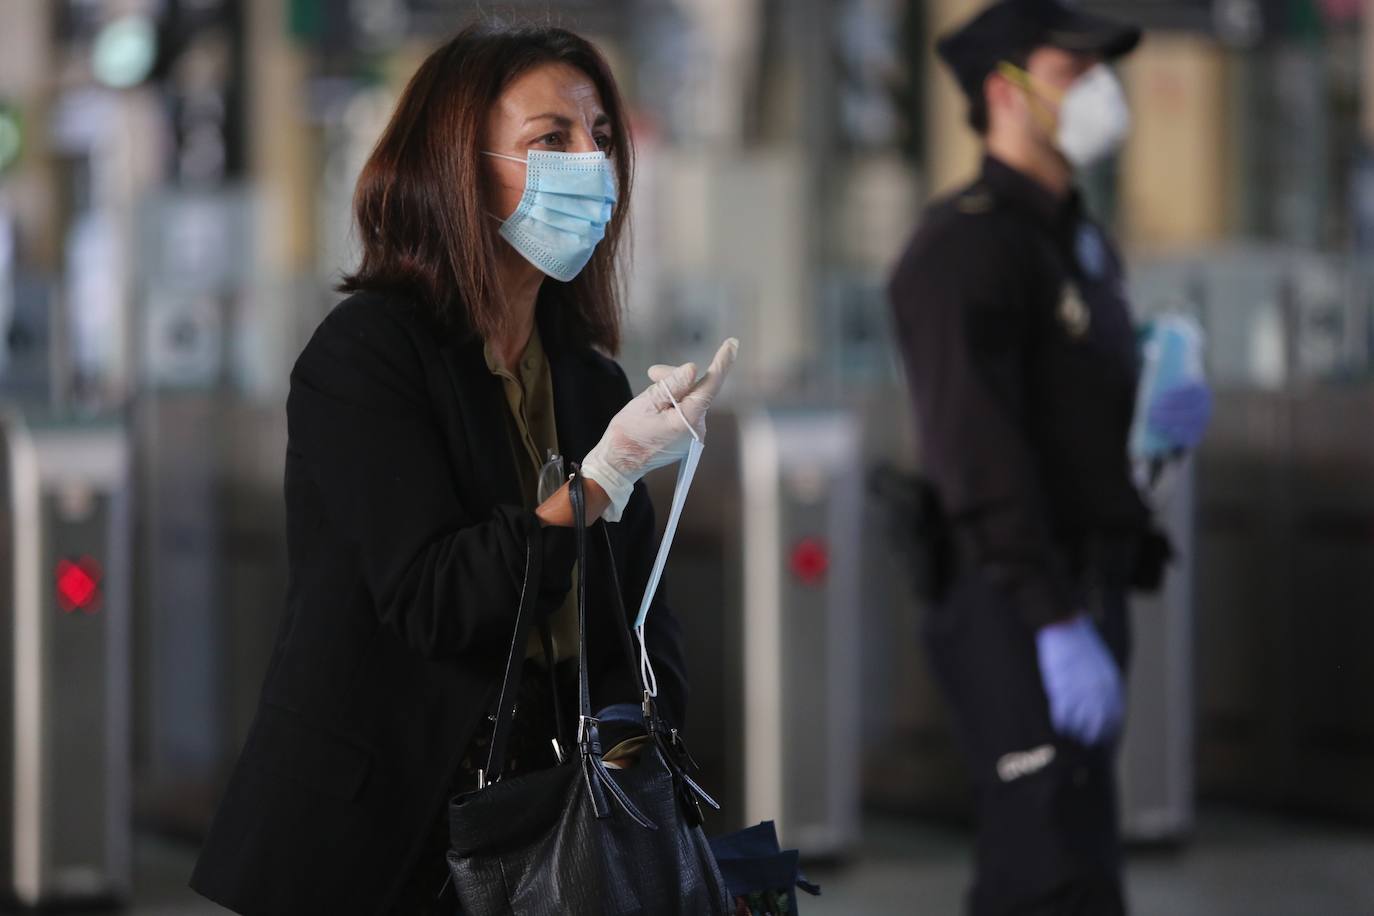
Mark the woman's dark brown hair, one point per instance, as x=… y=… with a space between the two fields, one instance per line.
x=420 y=208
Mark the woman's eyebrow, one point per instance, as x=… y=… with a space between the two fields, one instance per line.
x=558 y=119
x=566 y=122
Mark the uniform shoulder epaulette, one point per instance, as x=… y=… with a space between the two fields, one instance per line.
x=976 y=200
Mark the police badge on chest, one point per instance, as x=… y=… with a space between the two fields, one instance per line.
x=1073 y=313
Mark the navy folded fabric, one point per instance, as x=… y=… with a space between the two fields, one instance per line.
x=760 y=875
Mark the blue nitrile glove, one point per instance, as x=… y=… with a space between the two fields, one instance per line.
x=1180 y=415
x=1081 y=681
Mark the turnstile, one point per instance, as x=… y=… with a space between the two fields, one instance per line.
x=1156 y=766
x=764 y=577
x=801 y=625
x=65 y=828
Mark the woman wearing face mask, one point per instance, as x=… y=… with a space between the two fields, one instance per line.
x=423 y=417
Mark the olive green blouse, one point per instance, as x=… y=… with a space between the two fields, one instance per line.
x=533 y=439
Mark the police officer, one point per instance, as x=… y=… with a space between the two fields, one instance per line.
x=1022 y=359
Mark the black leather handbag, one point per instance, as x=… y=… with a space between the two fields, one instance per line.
x=581 y=838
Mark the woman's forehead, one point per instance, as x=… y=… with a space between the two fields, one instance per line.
x=550 y=89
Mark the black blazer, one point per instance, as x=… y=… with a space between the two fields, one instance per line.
x=406 y=539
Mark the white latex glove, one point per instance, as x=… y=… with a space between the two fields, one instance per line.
x=648 y=434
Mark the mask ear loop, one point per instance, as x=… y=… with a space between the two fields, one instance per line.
x=647 y=676
x=504 y=156
x=663 y=383
x=646 y=667
x=1019 y=77
x=524 y=162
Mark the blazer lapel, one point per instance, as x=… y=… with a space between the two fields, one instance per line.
x=573 y=388
x=576 y=414
x=481 y=408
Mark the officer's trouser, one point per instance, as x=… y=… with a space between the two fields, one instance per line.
x=1047 y=822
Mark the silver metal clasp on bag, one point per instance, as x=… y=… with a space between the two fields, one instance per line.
x=584 y=726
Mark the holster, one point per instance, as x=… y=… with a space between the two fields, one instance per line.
x=917 y=524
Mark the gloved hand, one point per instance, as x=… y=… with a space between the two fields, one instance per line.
x=1081 y=681
x=648 y=433
x=1180 y=415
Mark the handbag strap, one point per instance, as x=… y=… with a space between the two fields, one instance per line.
x=586 y=725
x=515 y=663
x=601 y=788
x=622 y=622
x=560 y=727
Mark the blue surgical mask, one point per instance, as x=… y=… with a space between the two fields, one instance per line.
x=563 y=214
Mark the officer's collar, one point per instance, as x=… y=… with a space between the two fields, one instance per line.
x=1018 y=187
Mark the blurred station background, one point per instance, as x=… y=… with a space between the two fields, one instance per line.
x=175 y=182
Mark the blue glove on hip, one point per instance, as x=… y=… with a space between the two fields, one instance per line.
x=1081 y=680
x=1180 y=415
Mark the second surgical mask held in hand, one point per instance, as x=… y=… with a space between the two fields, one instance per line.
x=649 y=433
x=565 y=209
x=1174 y=403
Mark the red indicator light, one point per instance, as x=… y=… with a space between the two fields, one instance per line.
x=78 y=585
x=810 y=561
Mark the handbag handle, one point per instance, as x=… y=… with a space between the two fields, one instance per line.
x=515 y=659
x=586 y=725
x=600 y=786
x=622 y=620
x=587 y=734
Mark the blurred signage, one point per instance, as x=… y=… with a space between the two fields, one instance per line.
x=196 y=240
x=182 y=339
x=195 y=258
x=202 y=75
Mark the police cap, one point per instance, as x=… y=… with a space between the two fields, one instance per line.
x=1011 y=27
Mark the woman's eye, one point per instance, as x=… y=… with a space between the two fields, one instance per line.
x=554 y=139
x=603 y=142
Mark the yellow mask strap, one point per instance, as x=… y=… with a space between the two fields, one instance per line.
x=1020 y=78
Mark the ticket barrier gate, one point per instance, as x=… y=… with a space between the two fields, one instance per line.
x=65 y=781
x=765 y=576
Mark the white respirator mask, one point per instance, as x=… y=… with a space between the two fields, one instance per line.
x=1094 y=118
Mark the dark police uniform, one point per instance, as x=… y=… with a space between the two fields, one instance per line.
x=1011 y=315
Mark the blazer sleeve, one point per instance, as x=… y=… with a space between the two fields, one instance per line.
x=361 y=422
x=965 y=329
